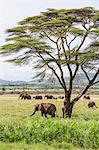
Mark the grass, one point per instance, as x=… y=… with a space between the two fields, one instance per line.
x=37 y=146
x=38 y=130
x=19 y=130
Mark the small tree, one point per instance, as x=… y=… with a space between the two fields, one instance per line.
x=59 y=40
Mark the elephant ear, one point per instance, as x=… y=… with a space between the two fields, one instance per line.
x=40 y=106
x=36 y=107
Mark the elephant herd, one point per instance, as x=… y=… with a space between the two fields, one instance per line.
x=90 y=103
x=49 y=108
x=24 y=95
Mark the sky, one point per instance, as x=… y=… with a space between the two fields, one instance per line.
x=13 y=11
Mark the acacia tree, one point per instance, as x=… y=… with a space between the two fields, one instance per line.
x=59 y=40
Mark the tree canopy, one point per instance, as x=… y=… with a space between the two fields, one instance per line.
x=59 y=40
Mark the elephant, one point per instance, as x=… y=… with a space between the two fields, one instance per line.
x=38 y=97
x=92 y=104
x=27 y=96
x=45 y=108
x=24 y=95
x=86 y=97
x=48 y=96
x=61 y=97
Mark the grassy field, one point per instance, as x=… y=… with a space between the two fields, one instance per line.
x=19 y=131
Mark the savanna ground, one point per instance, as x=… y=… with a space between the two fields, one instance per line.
x=20 y=131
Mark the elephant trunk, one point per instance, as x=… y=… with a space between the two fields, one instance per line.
x=96 y=106
x=34 y=111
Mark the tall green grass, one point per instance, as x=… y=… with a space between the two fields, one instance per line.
x=39 y=130
x=16 y=126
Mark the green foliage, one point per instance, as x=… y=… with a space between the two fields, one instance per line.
x=16 y=125
x=33 y=31
x=37 y=146
x=84 y=134
x=55 y=40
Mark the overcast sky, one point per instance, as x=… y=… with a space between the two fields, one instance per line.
x=12 y=11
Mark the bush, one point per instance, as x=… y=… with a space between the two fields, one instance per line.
x=39 y=130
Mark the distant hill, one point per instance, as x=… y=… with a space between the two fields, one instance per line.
x=79 y=81
x=6 y=82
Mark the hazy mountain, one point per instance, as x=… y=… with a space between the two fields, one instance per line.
x=5 y=82
x=80 y=80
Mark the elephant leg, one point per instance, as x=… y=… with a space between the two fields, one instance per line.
x=63 y=112
x=42 y=114
x=21 y=97
x=96 y=106
x=45 y=115
x=53 y=115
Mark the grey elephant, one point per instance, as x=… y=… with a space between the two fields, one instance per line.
x=45 y=108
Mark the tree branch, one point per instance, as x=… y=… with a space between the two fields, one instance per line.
x=59 y=66
x=79 y=96
x=95 y=83
x=82 y=42
x=52 y=70
x=86 y=88
x=85 y=27
x=68 y=45
x=72 y=40
x=69 y=68
x=58 y=63
x=49 y=37
x=66 y=57
x=95 y=76
x=77 y=67
x=85 y=73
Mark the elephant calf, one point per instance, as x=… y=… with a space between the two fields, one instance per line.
x=45 y=108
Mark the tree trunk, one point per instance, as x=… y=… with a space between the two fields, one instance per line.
x=68 y=106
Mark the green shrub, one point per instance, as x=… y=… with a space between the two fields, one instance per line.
x=39 y=130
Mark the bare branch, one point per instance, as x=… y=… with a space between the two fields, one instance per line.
x=76 y=57
x=85 y=73
x=66 y=57
x=49 y=37
x=95 y=76
x=69 y=68
x=72 y=40
x=77 y=67
x=79 y=96
x=95 y=83
x=86 y=88
x=52 y=70
x=85 y=27
x=59 y=66
x=82 y=42
x=68 y=45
